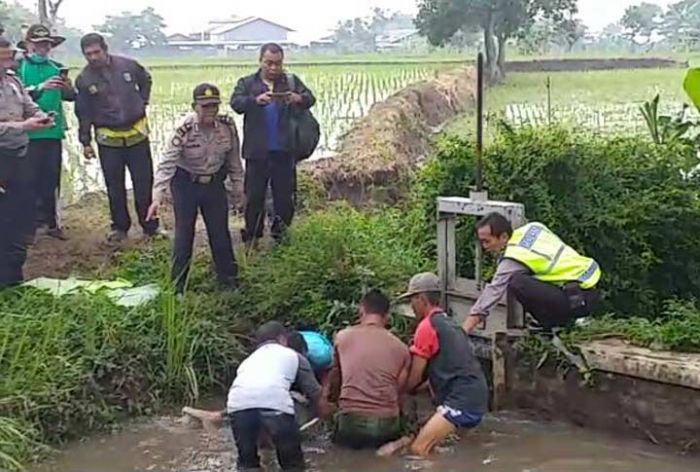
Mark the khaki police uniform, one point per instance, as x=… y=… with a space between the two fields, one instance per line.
x=194 y=166
x=16 y=202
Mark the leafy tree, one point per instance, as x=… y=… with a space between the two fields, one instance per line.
x=360 y=34
x=13 y=17
x=641 y=22
x=681 y=24
x=612 y=37
x=544 y=35
x=499 y=20
x=134 y=30
x=569 y=32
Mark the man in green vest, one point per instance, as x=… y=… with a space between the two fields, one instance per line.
x=48 y=85
x=553 y=282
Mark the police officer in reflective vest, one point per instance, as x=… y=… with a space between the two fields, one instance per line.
x=203 y=151
x=553 y=282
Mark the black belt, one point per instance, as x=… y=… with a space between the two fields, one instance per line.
x=202 y=179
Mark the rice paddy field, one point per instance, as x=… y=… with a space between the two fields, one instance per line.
x=344 y=94
x=601 y=101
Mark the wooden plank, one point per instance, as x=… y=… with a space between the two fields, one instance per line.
x=617 y=356
x=499 y=348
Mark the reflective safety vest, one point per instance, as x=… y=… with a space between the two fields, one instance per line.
x=549 y=259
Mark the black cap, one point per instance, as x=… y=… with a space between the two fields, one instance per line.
x=206 y=94
x=39 y=33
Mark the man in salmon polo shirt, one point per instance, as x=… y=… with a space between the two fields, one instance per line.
x=369 y=372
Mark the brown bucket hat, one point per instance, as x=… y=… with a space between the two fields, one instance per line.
x=39 y=33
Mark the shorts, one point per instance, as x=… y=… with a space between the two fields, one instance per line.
x=459 y=418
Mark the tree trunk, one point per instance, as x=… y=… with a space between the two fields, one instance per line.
x=48 y=11
x=492 y=71
x=501 y=62
x=43 y=12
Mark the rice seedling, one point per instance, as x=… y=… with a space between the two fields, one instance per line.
x=344 y=93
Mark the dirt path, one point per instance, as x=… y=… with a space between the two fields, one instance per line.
x=87 y=251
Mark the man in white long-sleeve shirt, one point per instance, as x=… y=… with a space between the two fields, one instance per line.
x=553 y=282
x=260 y=399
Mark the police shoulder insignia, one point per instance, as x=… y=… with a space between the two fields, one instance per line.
x=184 y=129
x=225 y=119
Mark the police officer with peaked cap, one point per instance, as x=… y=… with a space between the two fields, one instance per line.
x=203 y=151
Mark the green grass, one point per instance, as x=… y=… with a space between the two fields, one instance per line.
x=590 y=90
x=78 y=363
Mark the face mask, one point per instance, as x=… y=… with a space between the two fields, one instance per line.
x=37 y=58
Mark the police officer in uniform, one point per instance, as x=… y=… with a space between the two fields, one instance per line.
x=202 y=153
x=553 y=282
x=18 y=115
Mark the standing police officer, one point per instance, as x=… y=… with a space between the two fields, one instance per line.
x=18 y=115
x=202 y=152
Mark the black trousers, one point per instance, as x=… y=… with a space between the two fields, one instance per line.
x=46 y=156
x=189 y=198
x=279 y=170
x=550 y=305
x=17 y=211
x=138 y=160
x=282 y=428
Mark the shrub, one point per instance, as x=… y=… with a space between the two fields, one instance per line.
x=677 y=328
x=623 y=201
x=329 y=259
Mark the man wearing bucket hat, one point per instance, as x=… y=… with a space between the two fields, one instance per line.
x=18 y=116
x=442 y=347
x=201 y=154
x=48 y=83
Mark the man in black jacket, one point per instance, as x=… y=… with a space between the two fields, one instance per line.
x=267 y=99
x=113 y=94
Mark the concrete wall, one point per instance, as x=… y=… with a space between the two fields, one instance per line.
x=663 y=414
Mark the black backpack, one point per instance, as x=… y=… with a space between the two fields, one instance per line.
x=305 y=131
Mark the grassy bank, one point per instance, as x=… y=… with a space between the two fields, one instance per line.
x=80 y=363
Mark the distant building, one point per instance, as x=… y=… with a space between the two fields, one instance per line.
x=389 y=40
x=233 y=34
x=396 y=39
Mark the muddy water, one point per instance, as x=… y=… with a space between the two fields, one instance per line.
x=507 y=442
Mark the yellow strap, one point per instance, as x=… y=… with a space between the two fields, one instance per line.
x=139 y=128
